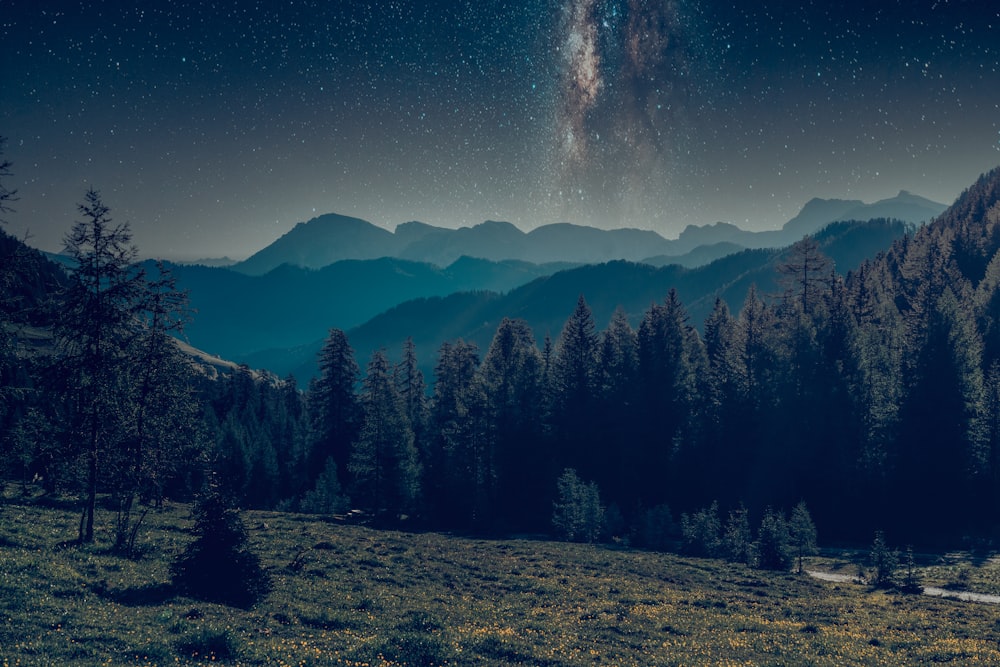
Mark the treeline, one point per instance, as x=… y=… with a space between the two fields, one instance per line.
x=874 y=398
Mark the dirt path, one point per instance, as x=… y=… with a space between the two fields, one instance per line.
x=965 y=596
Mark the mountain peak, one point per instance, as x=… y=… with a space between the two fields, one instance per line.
x=321 y=241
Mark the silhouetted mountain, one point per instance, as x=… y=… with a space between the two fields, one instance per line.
x=330 y=238
x=322 y=241
x=816 y=214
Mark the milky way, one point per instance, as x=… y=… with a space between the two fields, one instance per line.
x=624 y=88
x=214 y=127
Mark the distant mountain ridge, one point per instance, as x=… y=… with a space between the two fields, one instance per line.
x=238 y=314
x=332 y=237
x=547 y=301
x=816 y=214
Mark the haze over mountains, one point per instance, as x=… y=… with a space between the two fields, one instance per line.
x=546 y=302
x=331 y=238
x=273 y=310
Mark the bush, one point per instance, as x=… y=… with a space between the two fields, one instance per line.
x=219 y=566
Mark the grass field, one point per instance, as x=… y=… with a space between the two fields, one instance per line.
x=367 y=597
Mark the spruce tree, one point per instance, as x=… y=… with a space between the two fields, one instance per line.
x=574 y=390
x=218 y=566
x=774 y=550
x=333 y=406
x=577 y=515
x=384 y=463
x=510 y=377
x=802 y=533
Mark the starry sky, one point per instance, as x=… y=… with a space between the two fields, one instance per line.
x=213 y=126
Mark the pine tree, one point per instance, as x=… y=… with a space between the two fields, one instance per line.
x=806 y=274
x=943 y=436
x=412 y=392
x=333 y=406
x=737 y=539
x=511 y=376
x=884 y=562
x=802 y=533
x=218 y=565
x=574 y=390
x=163 y=428
x=6 y=194
x=774 y=551
x=384 y=463
x=702 y=532
x=617 y=411
x=577 y=515
x=326 y=497
x=461 y=468
x=671 y=356
x=94 y=331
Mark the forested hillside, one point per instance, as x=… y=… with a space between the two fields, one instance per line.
x=873 y=397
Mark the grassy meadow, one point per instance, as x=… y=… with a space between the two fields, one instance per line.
x=350 y=595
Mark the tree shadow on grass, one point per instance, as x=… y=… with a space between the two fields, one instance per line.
x=137 y=596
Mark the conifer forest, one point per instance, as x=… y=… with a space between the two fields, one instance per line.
x=871 y=397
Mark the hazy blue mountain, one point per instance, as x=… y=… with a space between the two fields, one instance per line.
x=210 y=261
x=703 y=254
x=564 y=242
x=238 y=314
x=331 y=238
x=816 y=214
x=322 y=241
x=546 y=302
x=489 y=240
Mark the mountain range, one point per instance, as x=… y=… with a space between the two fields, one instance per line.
x=237 y=314
x=332 y=237
x=278 y=319
x=547 y=301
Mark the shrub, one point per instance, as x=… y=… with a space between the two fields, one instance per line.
x=218 y=565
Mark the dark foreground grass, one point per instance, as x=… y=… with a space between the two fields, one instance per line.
x=356 y=596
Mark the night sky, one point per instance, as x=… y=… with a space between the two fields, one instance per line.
x=213 y=127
